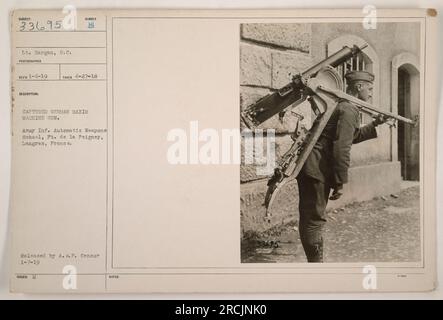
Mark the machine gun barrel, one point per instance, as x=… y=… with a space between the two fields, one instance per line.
x=276 y=102
x=367 y=107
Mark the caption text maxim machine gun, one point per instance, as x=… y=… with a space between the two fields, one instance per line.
x=322 y=86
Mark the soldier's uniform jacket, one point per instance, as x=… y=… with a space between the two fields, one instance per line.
x=330 y=158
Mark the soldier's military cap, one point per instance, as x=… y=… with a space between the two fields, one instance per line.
x=361 y=75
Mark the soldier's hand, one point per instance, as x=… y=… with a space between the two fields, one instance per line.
x=337 y=192
x=380 y=119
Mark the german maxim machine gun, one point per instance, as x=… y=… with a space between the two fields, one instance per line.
x=323 y=87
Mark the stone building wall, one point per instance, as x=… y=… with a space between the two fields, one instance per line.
x=269 y=55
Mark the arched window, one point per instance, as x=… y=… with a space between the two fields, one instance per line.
x=366 y=60
x=359 y=62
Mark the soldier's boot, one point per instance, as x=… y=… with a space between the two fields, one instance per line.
x=314 y=252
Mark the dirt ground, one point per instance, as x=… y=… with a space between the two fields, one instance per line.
x=384 y=229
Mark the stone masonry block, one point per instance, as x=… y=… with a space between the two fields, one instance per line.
x=248 y=172
x=287 y=64
x=255 y=65
x=295 y=36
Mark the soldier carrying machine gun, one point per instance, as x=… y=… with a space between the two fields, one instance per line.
x=319 y=157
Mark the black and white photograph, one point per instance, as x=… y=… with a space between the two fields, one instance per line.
x=335 y=111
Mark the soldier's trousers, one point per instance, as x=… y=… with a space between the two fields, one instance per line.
x=313 y=198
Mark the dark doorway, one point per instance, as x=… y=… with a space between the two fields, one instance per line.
x=408 y=136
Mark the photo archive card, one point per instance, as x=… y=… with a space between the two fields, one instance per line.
x=223 y=150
